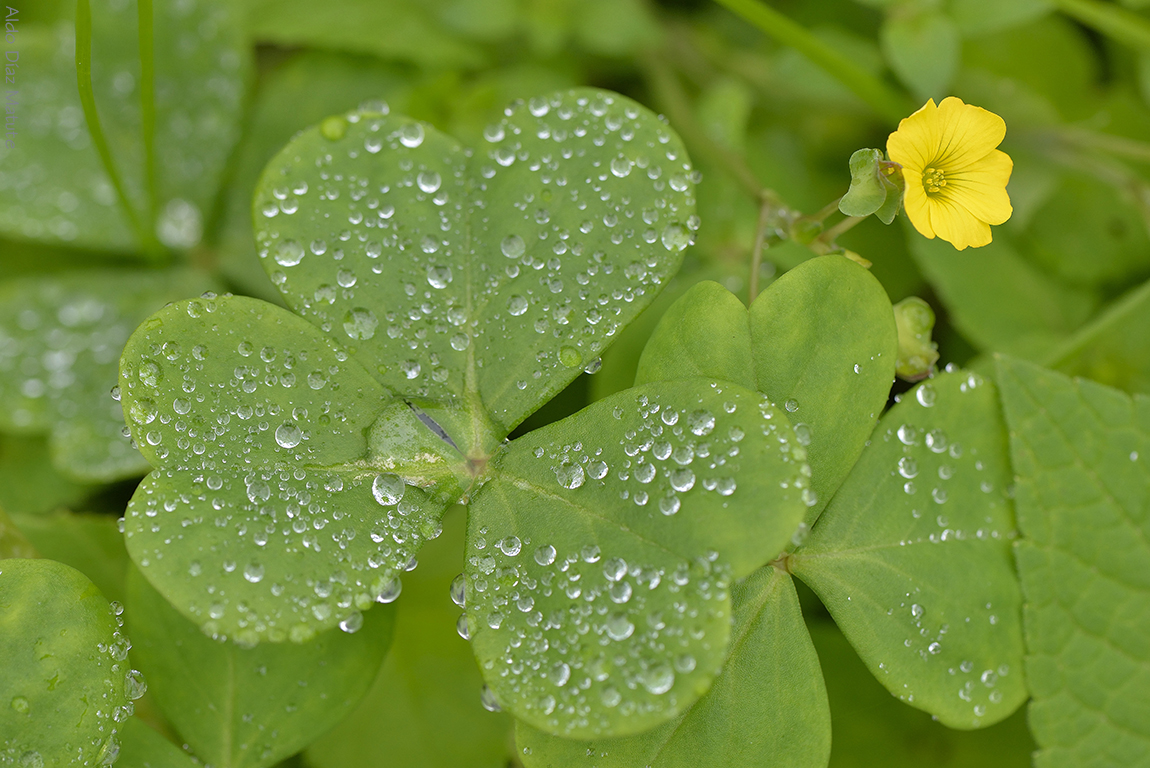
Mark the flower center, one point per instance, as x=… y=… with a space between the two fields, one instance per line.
x=933 y=180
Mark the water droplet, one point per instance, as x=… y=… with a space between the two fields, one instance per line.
x=289 y=253
x=701 y=422
x=20 y=704
x=621 y=167
x=545 y=555
x=360 y=323
x=388 y=489
x=907 y=467
x=487 y=699
x=411 y=135
x=791 y=405
x=675 y=237
x=134 y=685
x=682 y=480
x=459 y=590
x=429 y=182
x=570 y=476
x=925 y=395
x=517 y=305
x=288 y=435
x=513 y=246
x=352 y=623
x=438 y=277
x=619 y=627
x=570 y=357
x=658 y=679
x=510 y=546
x=333 y=128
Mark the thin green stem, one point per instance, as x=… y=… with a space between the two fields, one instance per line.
x=144 y=235
x=888 y=103
x=765 y=209
x=830 y=235
x=148 y=102
x=1111 y=19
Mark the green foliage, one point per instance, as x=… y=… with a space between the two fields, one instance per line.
x=251 y=706
x=435 y=310
x=1080 y=451
x=67 y=685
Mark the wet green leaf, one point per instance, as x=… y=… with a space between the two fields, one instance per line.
x=245 y=707
x=600 y=552
x=821 y=343
x=926 y=509
x=1080 y=452
x=452 y=287
x=60 y=339
x=287 y=497
x=92 y=544
x=141 y=747
x=429 y=684
x=299 y=94
x=868 y=721
x=65 y=667
x=767 y=707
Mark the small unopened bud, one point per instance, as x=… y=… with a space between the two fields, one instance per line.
x=917 y=354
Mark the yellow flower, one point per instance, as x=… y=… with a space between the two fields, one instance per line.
x=955 y=177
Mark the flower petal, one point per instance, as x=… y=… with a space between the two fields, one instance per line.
x=956 y=225
x=966 y=135
x=915 y=143
x=981 y=188
x=917 y=206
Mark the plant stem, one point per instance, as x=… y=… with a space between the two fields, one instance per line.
x=765 y=208
x=1110 y=19
x=888 y=103
x=1085 y=336
x=847 y=224
x=145 y=237
x=148 y=102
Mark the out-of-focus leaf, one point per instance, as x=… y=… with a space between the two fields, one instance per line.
x=1080 y=452
x=250 y=707
x=60 y=341
x=141 y=747
x=13 y=543
x=28 y=480
x=979 y=17
x=1111 y=348
x=998 y=300
x=923 y=50
x=65 y=676
x=429 y=684
x=92 y=544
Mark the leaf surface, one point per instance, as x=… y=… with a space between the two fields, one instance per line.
x=478 y=284
x=92 y=544
x=429 y=684
x=767 y=707
x=60 y=339
x=600 y=552
x=65 y=665
x=820 y=341
x=244 y=707
x=912 y=556
x=288 y=496
x=141 y=747
x=1080 y=451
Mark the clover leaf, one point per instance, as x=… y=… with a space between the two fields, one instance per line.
x=66 y=677
x=300 y=465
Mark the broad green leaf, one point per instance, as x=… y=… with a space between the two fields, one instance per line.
x=92 y=544
x=705 y=333
x=65 y=676
x=600 y=552
x=298 y=94
x=767 y=707
x=999 y=301
x=1111 y=348
x=923 y=49
x=912 y=556
x=1080 y=454
x=428 y=688
x=287 y=493
x=141 y=747
x=820 y=341
x=60 y=339
x=478 y=285
x=29 y=482
x=1089 y=216
x=868 y=721
x=251 y=706
x=404 y=30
